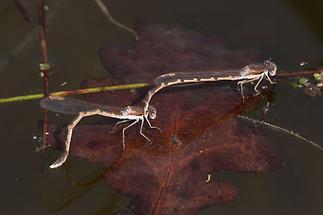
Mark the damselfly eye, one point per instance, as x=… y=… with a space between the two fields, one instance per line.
x=271 y=67
x=152 y=112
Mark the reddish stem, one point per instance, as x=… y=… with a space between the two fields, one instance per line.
x=44 y=53
x=296 y=74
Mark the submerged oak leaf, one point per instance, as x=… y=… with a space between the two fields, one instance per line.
x=200 y=133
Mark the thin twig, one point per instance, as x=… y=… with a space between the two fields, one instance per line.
x=24 y=10
x=284 y=130
x=107 y=13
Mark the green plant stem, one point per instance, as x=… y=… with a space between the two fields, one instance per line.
x=73 y=92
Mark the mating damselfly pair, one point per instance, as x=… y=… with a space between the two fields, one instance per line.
x=144 y=111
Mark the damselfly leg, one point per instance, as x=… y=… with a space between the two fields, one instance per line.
x=124 y=136
x=153 y=127
x=140 y=131
x=113 y=129
x=256 y=86
x=269 y=79
x=241 y=83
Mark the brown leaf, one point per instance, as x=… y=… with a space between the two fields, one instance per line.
x=200 y=133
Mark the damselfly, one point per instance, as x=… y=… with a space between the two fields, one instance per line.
x=84 y=109
x=250 y=73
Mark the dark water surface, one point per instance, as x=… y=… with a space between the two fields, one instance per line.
x=77 y=29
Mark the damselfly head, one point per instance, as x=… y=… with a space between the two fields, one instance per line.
x=152 y=112
x=271 y=67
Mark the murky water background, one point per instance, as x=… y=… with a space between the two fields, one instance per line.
x=77 y=29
